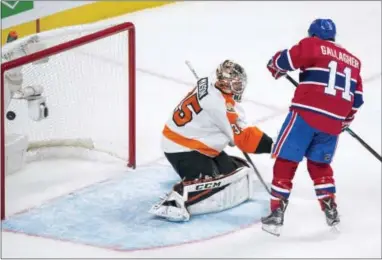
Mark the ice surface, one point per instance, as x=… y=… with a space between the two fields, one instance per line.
x=250 y=32
x=114 y=214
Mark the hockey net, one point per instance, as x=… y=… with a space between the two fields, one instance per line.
x=89 y=85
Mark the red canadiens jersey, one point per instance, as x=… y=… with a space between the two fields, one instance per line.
x=330 y=88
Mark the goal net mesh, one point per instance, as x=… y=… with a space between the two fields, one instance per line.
x=87 y=92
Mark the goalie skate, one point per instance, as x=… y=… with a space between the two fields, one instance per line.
x=171 y=207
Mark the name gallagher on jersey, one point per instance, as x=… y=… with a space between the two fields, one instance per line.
x=325 y=50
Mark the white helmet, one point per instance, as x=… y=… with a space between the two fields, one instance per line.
x=231 y=79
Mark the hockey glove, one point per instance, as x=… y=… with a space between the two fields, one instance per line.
x=276 y=73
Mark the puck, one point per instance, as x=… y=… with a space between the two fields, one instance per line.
x=11 y=115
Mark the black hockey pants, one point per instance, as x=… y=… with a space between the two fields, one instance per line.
x=192 y=165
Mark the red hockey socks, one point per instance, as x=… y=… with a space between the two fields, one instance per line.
x=283 y=173
x=322 y=176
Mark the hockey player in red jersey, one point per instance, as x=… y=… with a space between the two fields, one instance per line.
x=324 y=104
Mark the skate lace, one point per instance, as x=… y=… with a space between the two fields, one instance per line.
x=330 y=209
x=331 y=213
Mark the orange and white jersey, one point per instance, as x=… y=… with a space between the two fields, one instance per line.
x=206 y=120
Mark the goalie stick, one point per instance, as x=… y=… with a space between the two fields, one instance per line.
x=351 y=132
x=188 y=63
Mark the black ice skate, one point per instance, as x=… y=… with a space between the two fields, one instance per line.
x=274 y=222
x=331 y=213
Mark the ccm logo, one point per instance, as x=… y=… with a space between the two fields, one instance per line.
x=210 y=185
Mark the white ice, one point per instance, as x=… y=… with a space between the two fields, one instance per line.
x=250 y=32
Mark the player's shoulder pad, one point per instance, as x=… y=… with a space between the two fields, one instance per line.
x=202 y=88
x=308 y=41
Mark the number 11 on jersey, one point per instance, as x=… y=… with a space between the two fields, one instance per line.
x=331 y=87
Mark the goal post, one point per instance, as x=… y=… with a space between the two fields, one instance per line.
x=86 y=82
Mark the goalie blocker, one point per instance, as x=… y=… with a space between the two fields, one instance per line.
x=230 y=185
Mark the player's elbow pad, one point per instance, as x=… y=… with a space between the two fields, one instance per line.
x=265 y=145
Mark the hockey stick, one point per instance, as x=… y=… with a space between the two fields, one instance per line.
x=188 y=63
x=257 y=172
x=244 y=153
x=351 y=132
x=364 y=144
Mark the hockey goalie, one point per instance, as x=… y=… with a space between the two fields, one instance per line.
x=14 y=88
x=207 y=120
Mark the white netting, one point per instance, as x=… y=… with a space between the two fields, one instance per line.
x=87 y=92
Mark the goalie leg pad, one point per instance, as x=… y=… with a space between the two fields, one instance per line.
x=218 y=194
x=206 y=195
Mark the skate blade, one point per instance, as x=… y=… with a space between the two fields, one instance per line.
x=335 y=229
x=272 y=229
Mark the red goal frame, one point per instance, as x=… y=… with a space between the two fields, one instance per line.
x=127 y=26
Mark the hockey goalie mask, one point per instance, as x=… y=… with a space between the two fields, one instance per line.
x=231 y=79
